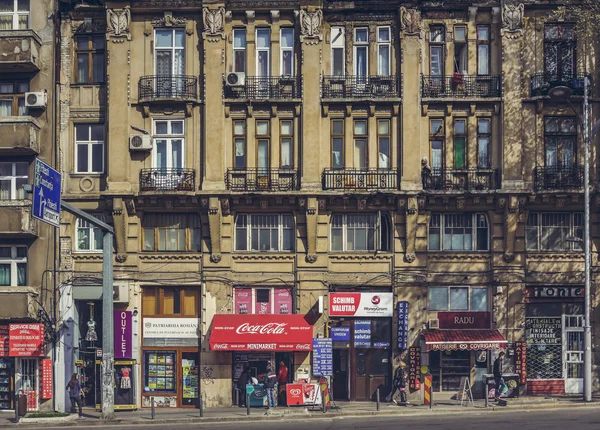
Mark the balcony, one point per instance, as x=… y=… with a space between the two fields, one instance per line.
x=265 y=88
x=254 y=179
x=16 y=220
x=20 y=51
x=558 y=178
x=167 y=179
x=461 y=180
x=360 y=179
x=19 y=135
x=361 y=87
x=542 y=83
x=167 y=88
x=17 y=302
x=460 y=86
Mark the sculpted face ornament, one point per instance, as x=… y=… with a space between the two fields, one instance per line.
x=512 y=18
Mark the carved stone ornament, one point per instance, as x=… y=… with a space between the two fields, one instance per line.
x=215 y=258
x=121 y=258
x=512 y=18
x=310 y=25
x=311 y=258
x=117 y=23
x=168 y=20
x=88 y=25
x=213 y=20
x=410 y=257
x=410 y=21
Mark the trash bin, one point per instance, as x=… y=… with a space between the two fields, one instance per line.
x=21 y=405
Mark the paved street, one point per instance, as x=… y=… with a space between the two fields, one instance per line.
x=581 y=418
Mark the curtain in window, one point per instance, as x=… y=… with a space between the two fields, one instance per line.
x=286 y=152
x=21 y=274
x=436 y=156
x=483 y=60
x=263 y=155
x=98 y=67
x=337 y=153
x=568 y=151
x=436 y=61
x=239 y=154
x=459 y=152
x=161 y=154
x=83 y=238
x=483 y=156
x=5 y=275
x=360 y=154
x=361 y=61
x=384 y=60
x=263 y=44
x=551 y=152
x=177 y=154
x=5 y=107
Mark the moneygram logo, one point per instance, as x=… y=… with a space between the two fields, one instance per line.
x=375 y=300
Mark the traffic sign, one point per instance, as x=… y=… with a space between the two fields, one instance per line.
x=46 y=194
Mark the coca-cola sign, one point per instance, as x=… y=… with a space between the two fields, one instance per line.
x=269 y=328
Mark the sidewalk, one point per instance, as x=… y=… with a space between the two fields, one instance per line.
x=344 y=409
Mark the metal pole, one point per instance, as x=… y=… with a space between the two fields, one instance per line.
x=201 y=406
x=152 y=406
x=247 y=404
x=587 y=329
x=487 y=390
x=377 y=396
x=108 y=342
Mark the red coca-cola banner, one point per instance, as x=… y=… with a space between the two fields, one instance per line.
x=260 y=333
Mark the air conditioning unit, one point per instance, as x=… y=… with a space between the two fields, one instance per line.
x=140 y=142
x=434 y=323
x=236 y=79
x=121 y=292
x=36 y=100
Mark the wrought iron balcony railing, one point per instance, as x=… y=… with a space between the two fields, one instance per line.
x=461 y=179
x=542 y=83
x=361 y=87
x=360 y=179
x=168 y=88
x=265 y=88
x=167 y=179
x=255 y=179
x=460 y=86
x=558 y=178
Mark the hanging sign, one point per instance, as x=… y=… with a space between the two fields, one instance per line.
x=26 y=340
x=402 y=311
x=123 y=330
x=414 y=365
x=46 y=379
x=521 y=361
x=361 y=304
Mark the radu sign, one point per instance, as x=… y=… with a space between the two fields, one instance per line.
x=361 y=304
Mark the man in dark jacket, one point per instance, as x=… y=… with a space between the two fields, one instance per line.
x=270 y=382
x=498 y=364
x=399 y=384
x=242 y=382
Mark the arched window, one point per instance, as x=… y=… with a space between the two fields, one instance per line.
x=459 y=232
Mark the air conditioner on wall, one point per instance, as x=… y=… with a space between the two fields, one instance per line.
x=235 y=79
x=36 y=100
x=121 y=292
x=140 y=142
x=434 y=323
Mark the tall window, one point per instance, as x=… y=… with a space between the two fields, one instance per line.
x=460 y=143
x=437 y=37
x=436 y=141
x=383 y=139
x=239 y=50
x=13 y=266
x=461 y=57
x=89 y=237
x=14 y=14
x=239 y=142
x=286 y=133
x=338 y=51
x=361 y=155
x=483 y=50
x=172 y=232
x=560 y=135
x=89 y=148
x=172 y=301
x=169 y=61
x=287 y=52
x=484 y=137
x=559 y=51
x=13 y=177
x=554 y=231
x=12 y=97
x=169 y=145
x=360 y=232
x=384 y=51
x=264 y=232
x=458 y=232
x=263 y=138
x=263 y=52
x=337 y=143
x=262 y=300
x=90 y=59
x=361 y=52
x=458 y=299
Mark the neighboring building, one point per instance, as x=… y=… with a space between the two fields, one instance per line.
x=255 y=157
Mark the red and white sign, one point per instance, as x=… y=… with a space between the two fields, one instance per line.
x=295 y=394
x=4 y=340
x=46 y=378
x=464 y=320
x=361 y=304
x=303 y=394
x=260 y=333
x=26 y=340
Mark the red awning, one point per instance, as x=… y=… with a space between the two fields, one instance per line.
x=463 y=340
x=234 y=332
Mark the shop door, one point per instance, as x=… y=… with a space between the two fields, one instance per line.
x=340 y=374
x=371 y=372
x=573 y=353
x=189 y=379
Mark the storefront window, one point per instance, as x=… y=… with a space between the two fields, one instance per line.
x=170 y=301
x=160 y=371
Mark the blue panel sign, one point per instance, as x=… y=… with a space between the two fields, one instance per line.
x=362 y=333
x=322 y=357
x=402 y=313
x=340 y=333
x=46 y=194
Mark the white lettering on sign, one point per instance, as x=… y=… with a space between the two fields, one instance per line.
x=270 y=328
x=262 y=345
x=464 y=320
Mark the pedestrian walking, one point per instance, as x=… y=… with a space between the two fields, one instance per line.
x=75 y=393
x=498 y=364
x=270 y=383
x=398 y=385
x=242 y=382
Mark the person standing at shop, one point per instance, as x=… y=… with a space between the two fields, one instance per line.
x=270 y=383
x=242 y=382
x=498 y=363
x=75 y=393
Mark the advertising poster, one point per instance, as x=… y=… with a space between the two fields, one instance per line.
x=361 y=304
x=283 y=301
x=362 y=333
x=243 y=300
x=26 y=340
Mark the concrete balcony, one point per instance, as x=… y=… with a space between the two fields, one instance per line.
x=20 y=51
x=16 y=220
x=17 y=302
x=20 y=135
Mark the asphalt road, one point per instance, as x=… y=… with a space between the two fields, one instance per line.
x=571 y=419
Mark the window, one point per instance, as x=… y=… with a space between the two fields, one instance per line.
x=287 y=51
x=169 y=139
x=239 y=142
x=14 y=14
x=263 y=52
x=361 y=150
x=338 y=48
x=458 y=299
x=361 y=232
x=460 y=143
x=89 y=148
x=170 y=52
x=264 y=232
x=383 y=139
x=286 y=133
x=436 y=140
x=90 y=59
x=484 y=136
x=262 y=300
x=179 y=301
x=559 y=51
x=554 y=231
x=560 y=136
x=239 y=50
x=13 y=266
x=461 y=57
x=12 y=97
x=13 y=177
x=263 y=138
x=383 y=51
x=483 y=50
x=89 y=237
x=437 y=37
x=361 y=52
x=337 y=143
x=172 y=232
x=458 y=232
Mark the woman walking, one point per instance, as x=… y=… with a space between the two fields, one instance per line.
x=399 y=384
x=75 y=393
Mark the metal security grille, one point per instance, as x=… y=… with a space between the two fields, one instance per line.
x=544 y=348
x=29 y=383
x=574 y=346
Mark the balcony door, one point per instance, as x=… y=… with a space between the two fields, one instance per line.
x=169 y=54
x=559 y=52
x=168 y=150
x=263 y=60
x=560 y=135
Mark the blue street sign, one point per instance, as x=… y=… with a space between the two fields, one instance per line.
x=46 y=194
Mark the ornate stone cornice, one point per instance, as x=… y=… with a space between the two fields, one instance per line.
x=454 y=256
x=195 y=256
x=262 y=257
x=168 y=20
x=359 y=257
x=555 y=256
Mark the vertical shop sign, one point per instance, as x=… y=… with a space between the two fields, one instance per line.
x=46 y=379
x=243 y=301
x=402 y=311
x=414 y=366
x=362 y=333
x=4 y=340
x=521 y=361
x=123 y=330
x=283 y=301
